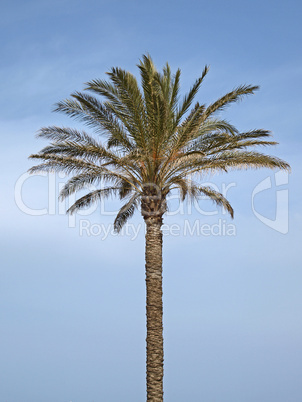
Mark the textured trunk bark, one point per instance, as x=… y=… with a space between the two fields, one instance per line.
x=154 y=310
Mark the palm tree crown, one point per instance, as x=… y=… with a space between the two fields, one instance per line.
x=153 y=145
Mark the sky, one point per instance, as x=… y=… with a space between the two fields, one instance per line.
x=72 y=294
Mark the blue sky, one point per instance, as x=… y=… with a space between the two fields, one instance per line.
x=72 y=305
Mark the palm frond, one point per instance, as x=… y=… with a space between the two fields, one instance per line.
x=231 y=97
x=182 y=184
x=77 y=183
x=102 y=117
x=230 y=160
x=175 y=91
x=131 y=97
x=125 y=213
x=215 y=196
x=64 y=164
x=59 y=134
x=188 y=99
x=91 y=198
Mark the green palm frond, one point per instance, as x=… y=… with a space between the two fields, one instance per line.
x=183 y=185
x=231 y=97
x=125 y=189
x=91 y=198
x=132 y=100
x=102 y=117
x=243 y=160
x=68 y=165
x=215 y=196
x=175 y=91
x=254 y=134
x=125 y=213
x=105 y=89
x=59 y=134
x=77 y=183
x=188 y=99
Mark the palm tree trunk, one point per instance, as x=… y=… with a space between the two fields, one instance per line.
x=154 y=310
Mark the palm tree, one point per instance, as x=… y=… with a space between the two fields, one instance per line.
x=153 y=145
